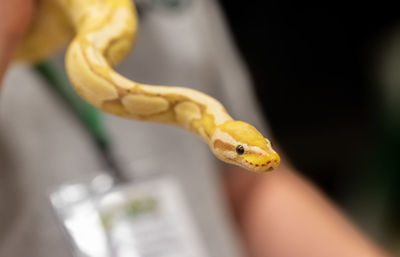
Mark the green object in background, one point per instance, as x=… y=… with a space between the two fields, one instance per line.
x=90 y=117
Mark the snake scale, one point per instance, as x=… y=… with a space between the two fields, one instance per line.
x=102 y=33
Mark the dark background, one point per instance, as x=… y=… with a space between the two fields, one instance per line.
x=314 y=72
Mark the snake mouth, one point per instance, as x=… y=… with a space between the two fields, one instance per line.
x=268 y=165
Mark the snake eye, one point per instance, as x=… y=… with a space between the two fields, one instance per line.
x=240 y=149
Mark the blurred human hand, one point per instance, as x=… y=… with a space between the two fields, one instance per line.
x=15 y=19
x=282 y=214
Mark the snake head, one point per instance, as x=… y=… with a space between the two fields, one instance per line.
x=239 y=143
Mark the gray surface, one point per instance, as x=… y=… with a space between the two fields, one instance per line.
x=42 y=146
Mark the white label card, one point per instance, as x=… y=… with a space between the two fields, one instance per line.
x=146 y=219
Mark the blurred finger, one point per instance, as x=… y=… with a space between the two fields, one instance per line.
x=15 y=18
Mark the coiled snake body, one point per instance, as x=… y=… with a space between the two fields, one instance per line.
x=104 y=33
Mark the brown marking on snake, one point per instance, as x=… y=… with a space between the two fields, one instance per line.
x=224 y=146
x=93 y=70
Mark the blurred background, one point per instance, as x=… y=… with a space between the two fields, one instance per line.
x=323 y=80
x=328 y=80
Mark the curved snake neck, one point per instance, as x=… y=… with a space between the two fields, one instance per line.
x=105 y=31
x=103 y=41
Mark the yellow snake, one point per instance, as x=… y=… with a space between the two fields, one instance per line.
x=104 y=31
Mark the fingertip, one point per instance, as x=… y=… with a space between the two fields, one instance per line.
x=16 y=18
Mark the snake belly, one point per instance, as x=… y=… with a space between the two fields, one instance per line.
x=104 y=33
